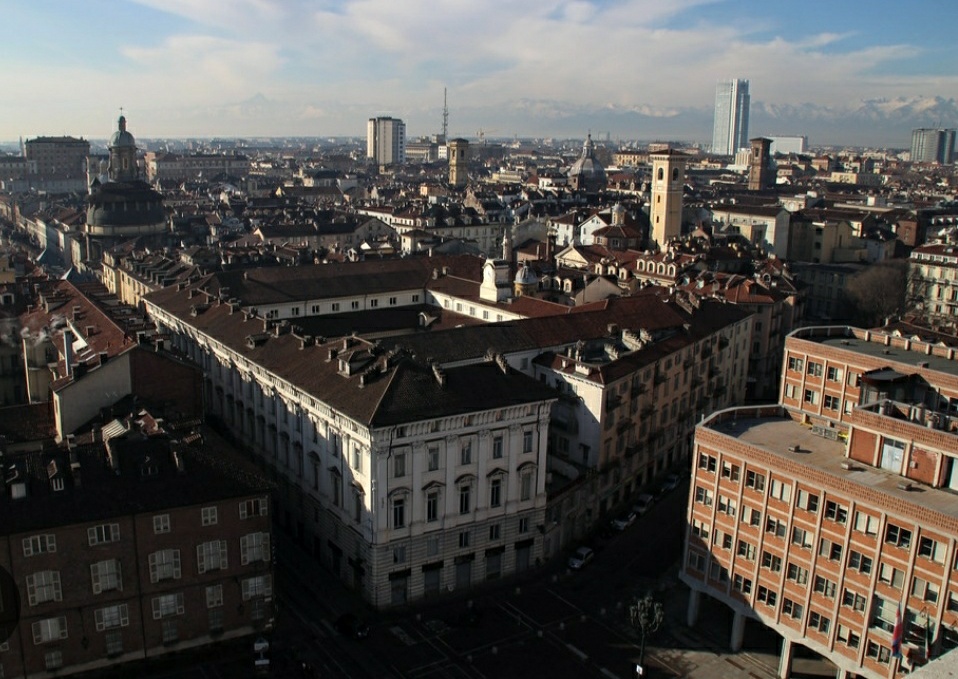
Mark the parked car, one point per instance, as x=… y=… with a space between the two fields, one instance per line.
x=643 y=504
x=624 y=521
x=671 y=482
x=351 y=626
x=582 y=556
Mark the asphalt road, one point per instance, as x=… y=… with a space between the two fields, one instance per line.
x=559 y=624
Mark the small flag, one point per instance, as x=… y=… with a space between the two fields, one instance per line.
x=896 y=635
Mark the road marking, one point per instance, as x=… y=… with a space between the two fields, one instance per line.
x=608 y=673
x=581 y=655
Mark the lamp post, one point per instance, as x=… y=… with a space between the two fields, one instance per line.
x=646 y=616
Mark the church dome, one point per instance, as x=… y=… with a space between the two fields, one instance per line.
x=121 y=137
x=526 y=276
x=587 y=172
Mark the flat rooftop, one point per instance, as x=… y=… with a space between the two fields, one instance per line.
x=778 y=434
x=843 y=338
x=880 y=351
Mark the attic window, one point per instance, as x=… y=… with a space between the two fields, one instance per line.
x=57 y=483
x=18 y=491
x=148 y=468
x=253 y=341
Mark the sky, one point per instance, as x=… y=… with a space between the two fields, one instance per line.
x=207 y=68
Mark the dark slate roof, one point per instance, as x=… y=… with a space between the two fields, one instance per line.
x=275 y=285
x=211 y=472
x=363 y=394
x=645 y=311
x=415 y=392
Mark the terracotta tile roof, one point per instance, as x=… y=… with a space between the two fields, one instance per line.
x=101 y=327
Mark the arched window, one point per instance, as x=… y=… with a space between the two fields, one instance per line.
x=661 y=174
x=675 y=173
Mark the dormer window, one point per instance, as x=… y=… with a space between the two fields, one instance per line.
x=57 y=484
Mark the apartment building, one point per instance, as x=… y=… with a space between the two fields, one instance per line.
x=140 y=544
x=824 y=515
x=57 y=156
x=386 y=140
x=632 y=376
x=405 y=408
x=176 y=167
x=405 y=477
x=933 y=280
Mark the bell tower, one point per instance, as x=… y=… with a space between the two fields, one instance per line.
x=668 y=182
x=458 y=151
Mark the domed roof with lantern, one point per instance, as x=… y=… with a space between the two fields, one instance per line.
x=587 y=172
x=526 y=275
x=122 y=138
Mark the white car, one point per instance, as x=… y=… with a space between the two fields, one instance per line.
x=582 y=556
x=643 y=504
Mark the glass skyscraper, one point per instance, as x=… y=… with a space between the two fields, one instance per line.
x=730 y=131
x=933 y=145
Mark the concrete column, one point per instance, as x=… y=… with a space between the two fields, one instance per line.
x=843 y=674
x=692 y=615
x=738 y=631
x=785 y=662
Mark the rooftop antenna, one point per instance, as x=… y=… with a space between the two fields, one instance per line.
x=445 y=115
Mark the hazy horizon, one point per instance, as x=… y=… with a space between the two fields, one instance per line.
x=629 y=68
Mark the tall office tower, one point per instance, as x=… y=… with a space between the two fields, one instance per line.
x=730 y=131
x=386 y=140
x=760 y=165
x=668 y=183
x=933 y=145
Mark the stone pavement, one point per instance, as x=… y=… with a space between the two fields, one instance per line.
x=701 y=652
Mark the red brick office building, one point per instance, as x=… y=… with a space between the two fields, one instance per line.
x=822 y=515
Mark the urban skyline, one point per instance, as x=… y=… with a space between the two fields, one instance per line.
x=287 y=68
x=732 y=103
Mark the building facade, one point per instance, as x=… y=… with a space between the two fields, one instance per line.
x=825 y=515
x=57 y=156
x=730 y=127
x=933 y=280
x=405 y=478
x=386 y=141
x=933 y=145
x=124 y=550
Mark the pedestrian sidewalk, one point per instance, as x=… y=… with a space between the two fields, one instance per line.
x=701 y=652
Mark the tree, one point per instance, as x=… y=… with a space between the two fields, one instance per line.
x=878 y=293
x=646 y=616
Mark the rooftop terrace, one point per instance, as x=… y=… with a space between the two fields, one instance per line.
x=773 y=429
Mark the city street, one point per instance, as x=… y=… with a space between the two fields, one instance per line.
x=562 y=624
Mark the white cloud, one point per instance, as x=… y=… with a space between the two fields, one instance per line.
x=335 y=62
